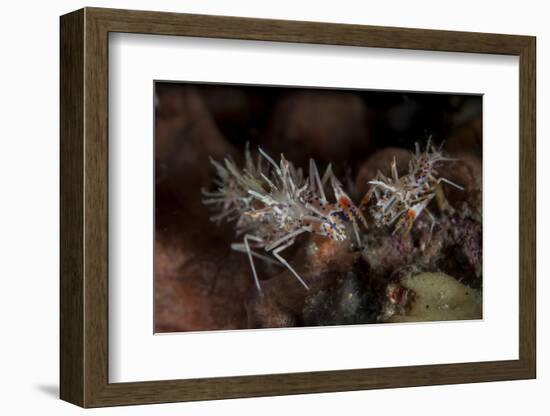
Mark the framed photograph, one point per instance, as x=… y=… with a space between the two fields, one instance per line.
x=257 y=207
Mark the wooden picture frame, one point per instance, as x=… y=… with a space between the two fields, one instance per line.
x=84 y=207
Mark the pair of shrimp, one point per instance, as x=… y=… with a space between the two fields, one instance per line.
x=274 y=203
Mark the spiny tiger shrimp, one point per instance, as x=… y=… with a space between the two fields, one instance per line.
x=273 y=204
x=404 y=199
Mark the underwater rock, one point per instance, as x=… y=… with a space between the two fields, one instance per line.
x=466 y=171
x=328 y=126
x=381 y=161
x=326 y=255
x=467 y=235
x=186 y=136
x=195 y=292
x=346 y=302
x=385 y=253
x=319 y=261
x=200 y=283
x=467 y=138
x=454 y=246
x=431 y=297
x=432 y=246
x=265 y=312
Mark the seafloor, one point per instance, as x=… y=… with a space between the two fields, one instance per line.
x=201 y=284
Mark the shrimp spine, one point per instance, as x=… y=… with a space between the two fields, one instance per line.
x=272 y=204
x=400 y=200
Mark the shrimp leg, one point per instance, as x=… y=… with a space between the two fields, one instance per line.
x=249 y=252
x=283 y=261
x=315 y=180
x=287 y=237
x=240 y=247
